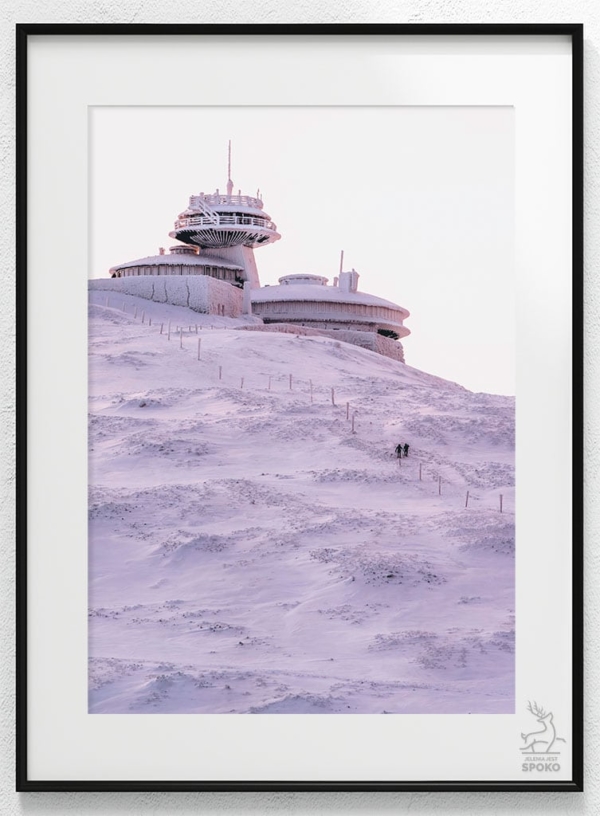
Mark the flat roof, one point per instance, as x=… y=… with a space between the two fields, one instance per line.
x=178 y=259
x=330 y=294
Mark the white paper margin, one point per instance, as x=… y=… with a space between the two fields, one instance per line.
x=68 y=74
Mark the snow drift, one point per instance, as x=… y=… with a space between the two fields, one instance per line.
x=248 y=553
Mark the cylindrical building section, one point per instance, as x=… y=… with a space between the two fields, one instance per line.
x=307 y=300
x=182 y=260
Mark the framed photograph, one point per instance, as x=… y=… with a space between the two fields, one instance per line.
x=300 y=407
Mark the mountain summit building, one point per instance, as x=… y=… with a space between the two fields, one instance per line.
x=217 y=235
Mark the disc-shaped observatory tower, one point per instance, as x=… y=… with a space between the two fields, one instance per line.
x=229 y=226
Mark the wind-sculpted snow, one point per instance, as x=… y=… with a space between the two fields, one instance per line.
x=491 y=531
x=355 y=476
x=464 y=654
x=248 y=553
x=443 y=428
x=377 y=568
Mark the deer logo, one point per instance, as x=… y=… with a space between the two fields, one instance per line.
x=544 y=740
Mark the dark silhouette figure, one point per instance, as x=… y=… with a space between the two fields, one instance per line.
x=399 y=450
x=405 y=451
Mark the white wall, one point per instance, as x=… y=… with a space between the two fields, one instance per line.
x=356 y=11
x=201 y=293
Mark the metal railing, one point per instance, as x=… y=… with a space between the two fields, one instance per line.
x=224 y=221
x=214 y=199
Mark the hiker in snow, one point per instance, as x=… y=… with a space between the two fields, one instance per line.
x=405 y=451
x=399 y=450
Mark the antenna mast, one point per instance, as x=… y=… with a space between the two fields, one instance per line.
x=342 y=261
x=229 y=181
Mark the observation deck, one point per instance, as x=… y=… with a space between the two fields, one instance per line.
x=217 y=221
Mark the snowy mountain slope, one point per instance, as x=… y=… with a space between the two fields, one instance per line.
x=249 y=553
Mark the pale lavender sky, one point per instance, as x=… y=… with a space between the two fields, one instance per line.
x=420 y=199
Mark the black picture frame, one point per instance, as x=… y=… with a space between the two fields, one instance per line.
x=23 y=34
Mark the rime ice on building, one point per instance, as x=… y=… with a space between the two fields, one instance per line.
x=307 y=300
x=181 y=260
x=229 y=226
x=218 y=234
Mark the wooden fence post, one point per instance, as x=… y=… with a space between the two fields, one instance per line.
x=220 y=372
x=169 y=331
x=332 y=396
x=199 y=341
x=420 y=472
x=353 y=415
x=500 y=502
x=290 y=382
x=135 y=313
x=242 y=383
x=161 y=327
x=311 y=390
x=467 y=499
x=347 y=410
x=149 y=320
x=439 y=485
x=143 y=315
x=181 y=337
x=269 y=388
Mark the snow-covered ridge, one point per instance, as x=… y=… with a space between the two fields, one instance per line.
x=365 y=339
x=249 y=553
